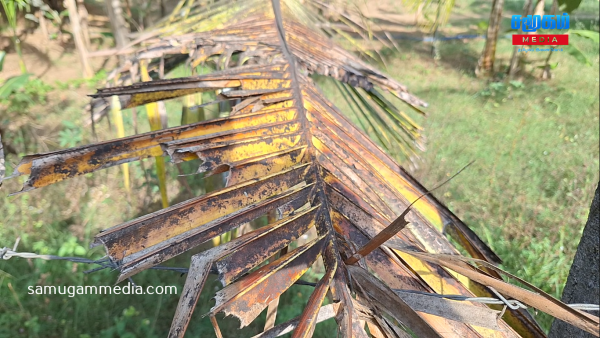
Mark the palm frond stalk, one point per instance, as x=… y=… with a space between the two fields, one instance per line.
x=287 y=150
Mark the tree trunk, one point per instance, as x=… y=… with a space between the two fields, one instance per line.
x=515 y=60
x=117 y=22
x=77 y=36
x=486 y=62
x=583 y=282
x=83 y=19
x=546 y=73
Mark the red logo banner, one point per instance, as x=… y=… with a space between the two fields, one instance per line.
x=540 y=39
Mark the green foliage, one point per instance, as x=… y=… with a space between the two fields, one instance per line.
x=128 y=325
x=21 y=98
x=552 y=66
x=482 y=27
x=543 y=262
x=12 y=85
x=71 y=248
x=90 y=83
x=70 y=135
x=568 y=5
x=53 y=15
x=34 y=315
x=498 y=92
x=2 y=56
x=23 y=93
x=592 y=35
x=576 y=52
x=11 y=9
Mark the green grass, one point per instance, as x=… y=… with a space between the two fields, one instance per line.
x=527 y=195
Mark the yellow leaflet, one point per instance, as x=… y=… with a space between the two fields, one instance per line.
x=117 y=117
x=442 y=286
x=155 y=124
x=190 y=113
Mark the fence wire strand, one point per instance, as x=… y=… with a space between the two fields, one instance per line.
x=106 y=263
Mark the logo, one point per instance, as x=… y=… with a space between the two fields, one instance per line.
x=531 y=23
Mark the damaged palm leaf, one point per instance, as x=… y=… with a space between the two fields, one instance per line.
x=289 y=151
x=199 y=34
x=157 y=117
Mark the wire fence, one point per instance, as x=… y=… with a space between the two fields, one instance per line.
x=107 y=263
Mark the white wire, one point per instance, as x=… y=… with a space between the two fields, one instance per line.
x=6 y=253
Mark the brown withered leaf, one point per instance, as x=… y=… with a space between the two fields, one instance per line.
x=536 y=298
x=325 y=312
x=450 y=309
x=384 y=299
x=287 y=150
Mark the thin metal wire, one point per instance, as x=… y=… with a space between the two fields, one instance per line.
x=586 y=307
x=513 y=304
x=106 y=263
x=494 y=301
x=485 y=300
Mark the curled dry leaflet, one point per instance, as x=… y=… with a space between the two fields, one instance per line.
x=290 y=152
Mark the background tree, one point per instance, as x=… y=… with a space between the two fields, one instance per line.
x=516 y=60
x=78 y=37
x=114 y=9
x=584 y=278
x=485 y=65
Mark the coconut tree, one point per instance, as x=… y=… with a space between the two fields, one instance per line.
x=291 y=154
x=485 y=65
x=582 y=283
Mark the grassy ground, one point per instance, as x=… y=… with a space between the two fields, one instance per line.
x=527 y=195
x=536 y=152
x=535 y=146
